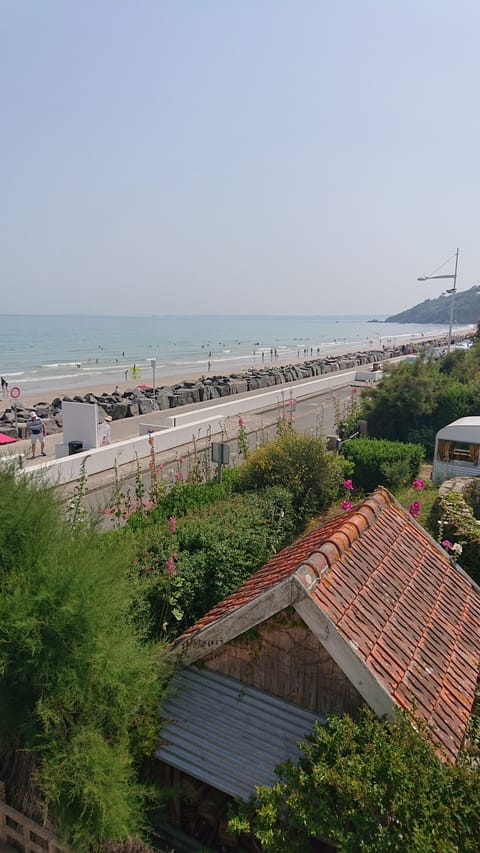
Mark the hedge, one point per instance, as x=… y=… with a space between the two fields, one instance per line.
x=379 y=462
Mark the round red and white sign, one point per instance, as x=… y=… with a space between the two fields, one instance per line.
x=15 y=392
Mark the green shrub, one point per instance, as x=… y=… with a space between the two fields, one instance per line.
x=187 y=565
x=184 y=498
x=452 y=519
x=299 y=463
x=379 y=462
x=374 y=786
x=78 y=691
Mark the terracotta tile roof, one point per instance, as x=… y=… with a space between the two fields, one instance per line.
x=392 y=593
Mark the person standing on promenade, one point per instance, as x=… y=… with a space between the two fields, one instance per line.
x=4 y=386
x=36 y=432
x=104 y=433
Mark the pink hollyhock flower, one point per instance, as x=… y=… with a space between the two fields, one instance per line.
x=347 y=484
x=172 y=524
x=240 y=422
x=414 y=509
x=170 y=566
x=447 y=544
x=418 y=484
x=346 y=505
x=178 y=476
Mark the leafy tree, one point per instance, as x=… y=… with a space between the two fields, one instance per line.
x=401 y=402
x=79 y=693
x=372 y=785
x=417 y=399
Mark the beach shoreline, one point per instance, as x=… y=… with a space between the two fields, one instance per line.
x=103 y=384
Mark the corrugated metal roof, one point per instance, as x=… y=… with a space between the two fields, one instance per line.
x=227 y=734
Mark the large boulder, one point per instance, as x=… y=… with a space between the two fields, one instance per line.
x=162 y=401
x=43 y=410
x=238 y=386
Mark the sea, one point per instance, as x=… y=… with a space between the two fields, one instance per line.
x=44 y=353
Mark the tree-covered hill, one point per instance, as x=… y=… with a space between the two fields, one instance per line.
x=466 y=309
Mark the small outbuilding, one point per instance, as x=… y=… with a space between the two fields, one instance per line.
x=457 y=450
x=366 y=609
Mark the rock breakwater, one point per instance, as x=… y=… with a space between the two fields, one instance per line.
x=139 y=400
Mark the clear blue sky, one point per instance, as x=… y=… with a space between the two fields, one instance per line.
x=236 y=156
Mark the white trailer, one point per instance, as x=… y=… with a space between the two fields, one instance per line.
x=457 y=450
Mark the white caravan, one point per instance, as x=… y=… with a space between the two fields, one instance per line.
x=457 y=449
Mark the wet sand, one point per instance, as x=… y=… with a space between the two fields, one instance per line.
x=103 y=384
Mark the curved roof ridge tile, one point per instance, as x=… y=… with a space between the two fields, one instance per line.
x=317 y=562
x=341 y=539
x=347 y=533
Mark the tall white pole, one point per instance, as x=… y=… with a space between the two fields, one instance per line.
x=452 y=304
x=153 y=362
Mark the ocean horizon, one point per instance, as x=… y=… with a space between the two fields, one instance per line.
x=50 y=351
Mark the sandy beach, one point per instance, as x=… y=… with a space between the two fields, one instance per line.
x=46 y=392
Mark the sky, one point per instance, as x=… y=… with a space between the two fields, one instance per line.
x=236 y=156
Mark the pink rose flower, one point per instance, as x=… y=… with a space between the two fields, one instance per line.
x=346 y=505
x=447 y=544
x=418 y=484
x=347 y=484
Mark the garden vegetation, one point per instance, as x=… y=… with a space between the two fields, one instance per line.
x=369 y=785
x=84 y=616
x=79 y=691
x=416 y=399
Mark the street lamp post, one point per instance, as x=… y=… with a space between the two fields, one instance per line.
x=451 y=291
x=153 y=363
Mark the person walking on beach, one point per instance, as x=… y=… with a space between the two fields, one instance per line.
x=36 y=431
